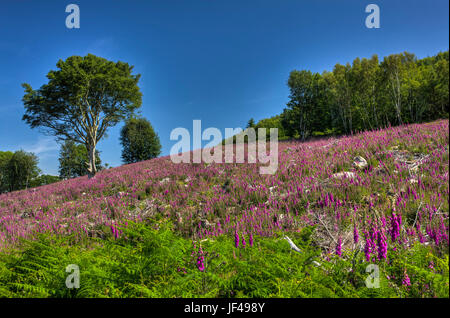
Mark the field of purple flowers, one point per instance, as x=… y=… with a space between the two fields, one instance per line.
x=369 y=191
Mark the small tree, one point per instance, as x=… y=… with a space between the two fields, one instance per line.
x=5 y=157
x=82 y=99
x=21 y=169
x=251 y=123
x=74 y=160
x=139 y=141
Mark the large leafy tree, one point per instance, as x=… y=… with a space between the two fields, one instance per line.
x=139 y=141
x=308 y=111
x=362 y=80
x=343 y=95
x=395 y=69
x=440 y=85
x=298 y=108
x=82 y=99
x=74 y=159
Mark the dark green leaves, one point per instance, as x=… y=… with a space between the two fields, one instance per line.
x=82 y=99
x=139 y=141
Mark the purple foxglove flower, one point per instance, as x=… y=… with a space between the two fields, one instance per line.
x=382 y=246
x=355 y=235
x=406 y=281
x=339 y=248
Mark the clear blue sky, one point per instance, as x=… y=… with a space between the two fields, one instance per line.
x=221 y=61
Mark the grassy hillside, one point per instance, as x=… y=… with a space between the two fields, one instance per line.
x=159 y=229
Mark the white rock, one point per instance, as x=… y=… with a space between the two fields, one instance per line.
x=164 y=181
x=359 y=162
x=344 y=174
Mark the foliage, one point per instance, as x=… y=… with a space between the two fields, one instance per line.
x=82 y=99
x=152 y=261
x=367 y=94
x=272 y=122
x=19 y=170
x=250 y=123
x=74 y=160
x=267 y=124
x=139 y=141
x=5 y=157
x=44 y=179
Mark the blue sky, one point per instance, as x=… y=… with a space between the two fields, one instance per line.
x=221 y=61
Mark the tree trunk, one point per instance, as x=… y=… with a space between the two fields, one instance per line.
x=374 y=107
x=398 y=98
x=92 y=168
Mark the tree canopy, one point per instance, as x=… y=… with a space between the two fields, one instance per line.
x=5 y=157
x=139 y=141
x=17 y=170
x=82 y=99
x=367 y=94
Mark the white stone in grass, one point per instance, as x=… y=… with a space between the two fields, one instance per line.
x=164 y=181
x=344 y=174
x=359 y=162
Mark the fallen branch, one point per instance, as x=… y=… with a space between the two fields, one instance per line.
x=417 y=213
x=292 y=244
x=326 y=228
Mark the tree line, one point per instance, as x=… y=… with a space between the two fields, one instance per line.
x=365 y=95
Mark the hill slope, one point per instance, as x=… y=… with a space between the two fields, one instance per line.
x=336 y=211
